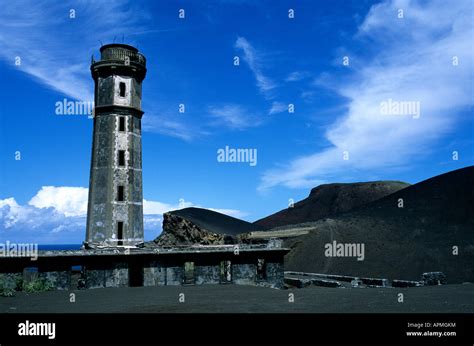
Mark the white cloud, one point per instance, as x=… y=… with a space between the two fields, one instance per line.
x=277 y=107
x=26 y=223
x=71 y=201
x=253 y=60
x=57 y=214
x=10 y=212
x=413 y=63
x=157 y=208
x=233 y=116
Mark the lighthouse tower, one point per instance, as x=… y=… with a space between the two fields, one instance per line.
x=115 y=210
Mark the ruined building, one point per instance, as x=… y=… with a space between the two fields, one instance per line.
x=115 y=210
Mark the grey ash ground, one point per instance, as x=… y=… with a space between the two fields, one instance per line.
x=246 y=299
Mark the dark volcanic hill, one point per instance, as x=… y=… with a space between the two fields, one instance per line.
x=330 y=199
x=201 y=226
x=401 y=243
x=215 y=222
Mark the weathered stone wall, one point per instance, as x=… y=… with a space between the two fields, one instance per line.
x=244 y=273
x=174 y=276
x=95 y=278
x=154 y=274
x=113 y=103
x=117 y=276
x=104 y=209
x=207 y=274
x=80 y=269
x=275 y=274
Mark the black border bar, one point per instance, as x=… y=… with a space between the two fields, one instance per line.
x=219 y=329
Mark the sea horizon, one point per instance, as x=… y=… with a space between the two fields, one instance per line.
x=45 y=247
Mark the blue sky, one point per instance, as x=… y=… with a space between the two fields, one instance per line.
x=422 y=54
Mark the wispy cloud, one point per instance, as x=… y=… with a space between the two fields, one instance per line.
x=215 y=117
x=29 y=30
x=55 y=49
x=254 y=60
x=297 y=76
x=277 y=107
x=233 y=116
x=173 y=125
x=49 y=45
x=414 y=63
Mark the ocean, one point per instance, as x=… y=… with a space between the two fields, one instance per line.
x=60 y=247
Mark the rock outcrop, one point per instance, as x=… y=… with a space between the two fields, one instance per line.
x=192 y=226
x=179 y=231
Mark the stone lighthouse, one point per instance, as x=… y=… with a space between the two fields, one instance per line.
x=115 y=209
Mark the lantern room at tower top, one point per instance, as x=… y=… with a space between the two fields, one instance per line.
x=116 y=58
x=119 y=60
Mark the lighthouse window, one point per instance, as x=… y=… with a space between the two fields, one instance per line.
x=120 y=233
x=122 y=89
x=122 y=124
x=121 y=157
x=120 y=194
